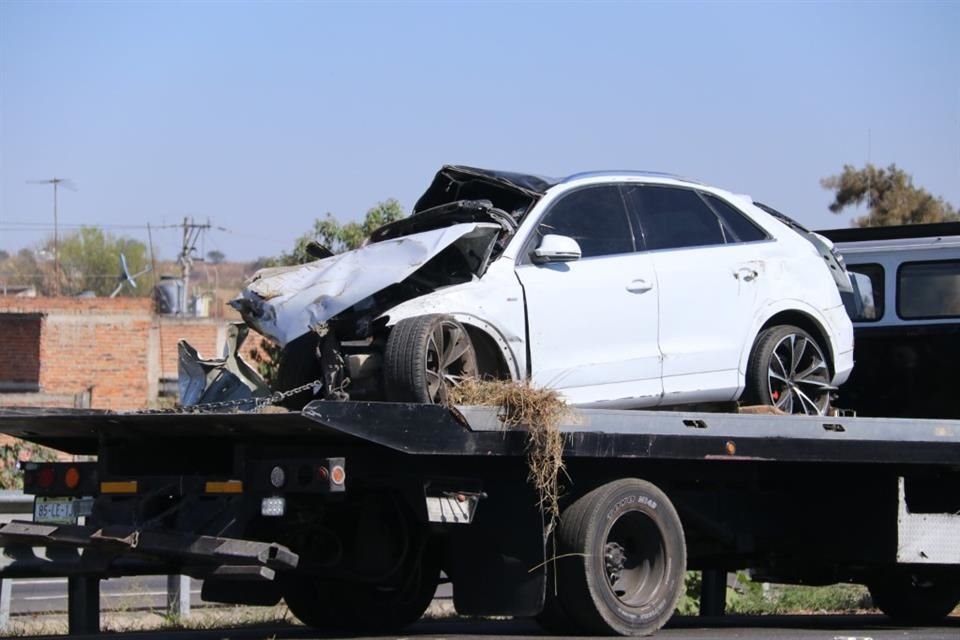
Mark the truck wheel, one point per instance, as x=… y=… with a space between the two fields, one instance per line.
x=357 y=607
x=915 y=598
x=622 y=559
x=787 y=369
x=381 y=608
x=425 y=357
x=312 y=602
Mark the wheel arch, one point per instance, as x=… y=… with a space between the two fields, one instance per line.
x=806 y=322
x=493 y=350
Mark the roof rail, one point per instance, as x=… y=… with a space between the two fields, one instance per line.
x=897 y=232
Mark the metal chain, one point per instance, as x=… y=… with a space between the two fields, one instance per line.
x=258 y=402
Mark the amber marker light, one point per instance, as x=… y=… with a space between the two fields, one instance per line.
x=72 y=478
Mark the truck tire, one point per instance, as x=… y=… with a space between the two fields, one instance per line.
x=362 y=607
x=916 y=598
x=424 y=358
x=374 y=608
x=788 y=369
x=622 y=559
x=312 y=601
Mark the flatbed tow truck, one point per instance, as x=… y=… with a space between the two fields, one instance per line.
x=345 y=509
x=352 y=511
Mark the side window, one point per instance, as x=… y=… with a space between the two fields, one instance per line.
x=671 y=218
x=736 y=221
x=873 y=302
x=928 y=289
x=595 y=217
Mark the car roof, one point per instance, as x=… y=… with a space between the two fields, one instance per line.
x=540 y=184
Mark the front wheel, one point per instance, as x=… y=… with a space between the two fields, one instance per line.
x=425 y=357
x=788 y=369
x=622 y=559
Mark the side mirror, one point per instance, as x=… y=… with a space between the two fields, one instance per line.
x=554 y=248
x=865 y=306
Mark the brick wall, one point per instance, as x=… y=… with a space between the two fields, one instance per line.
x=20 y=351
x=205 y=335
x=98 y=344
x=117 y=349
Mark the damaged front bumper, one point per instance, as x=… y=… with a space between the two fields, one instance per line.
x=226 y=379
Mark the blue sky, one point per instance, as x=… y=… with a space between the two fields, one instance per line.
x=264 y=116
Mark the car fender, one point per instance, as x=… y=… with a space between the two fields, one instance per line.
x=500 y=319
x=765 y=313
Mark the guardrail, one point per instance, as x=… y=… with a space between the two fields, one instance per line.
x=16 y=504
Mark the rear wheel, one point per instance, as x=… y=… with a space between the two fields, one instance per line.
x=352 y=606
x=425 y=357
x=622 y=559
x=915 y=598
x=788 y=369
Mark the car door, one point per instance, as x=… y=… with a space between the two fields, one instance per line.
x=709 y=281
x=592 y=322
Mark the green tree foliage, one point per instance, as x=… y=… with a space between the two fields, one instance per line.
x=215 y=257
x=90 y=261
x=23 y=268
x=889 y=195
x=11 y=454
x=336 y=237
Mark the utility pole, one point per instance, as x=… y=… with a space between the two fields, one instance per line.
x=191 y=233
x=56 y=182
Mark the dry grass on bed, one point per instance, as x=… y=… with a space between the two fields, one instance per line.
x=539 y=412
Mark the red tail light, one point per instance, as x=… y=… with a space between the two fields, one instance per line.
x=45 y=477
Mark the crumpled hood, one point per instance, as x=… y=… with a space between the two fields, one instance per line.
x=283 y=303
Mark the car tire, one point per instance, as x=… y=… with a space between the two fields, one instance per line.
x=424 y=358
x=622 y=559
x=788 y=370
x=916 y=599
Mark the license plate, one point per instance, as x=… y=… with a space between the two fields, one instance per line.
x=54 y=510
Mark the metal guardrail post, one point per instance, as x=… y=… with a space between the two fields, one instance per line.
x=6 y=586
x=83 y=602
x=178 y=596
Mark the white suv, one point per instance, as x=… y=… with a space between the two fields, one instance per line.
x=619 y=289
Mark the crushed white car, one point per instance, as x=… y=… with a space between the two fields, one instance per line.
x=618 y=289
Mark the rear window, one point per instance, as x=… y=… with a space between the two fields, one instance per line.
x=872 y=291
x=927 y=290
x=744 y=229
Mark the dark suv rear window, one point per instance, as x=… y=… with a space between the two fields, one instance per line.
x=928 y=290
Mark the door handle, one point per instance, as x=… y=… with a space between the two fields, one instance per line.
x=745 y=274
x=639 y=286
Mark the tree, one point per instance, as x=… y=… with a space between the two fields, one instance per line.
x=23 y=268
x=890 y=196
x=90 y=261
x=215 y=257
x=336 y=237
